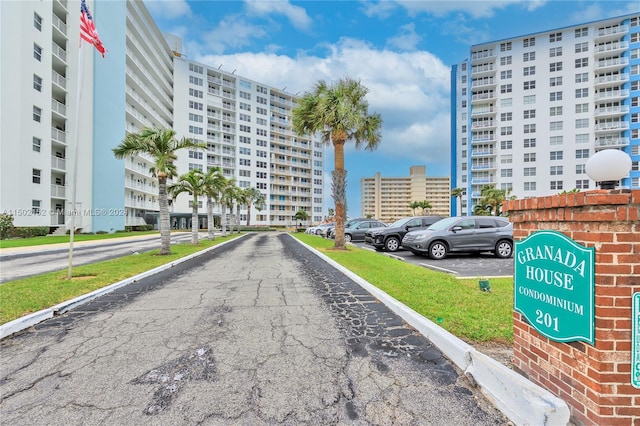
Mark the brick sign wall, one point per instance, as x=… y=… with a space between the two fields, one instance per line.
x=594 y=380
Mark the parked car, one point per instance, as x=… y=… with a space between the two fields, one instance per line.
x=355 y=231
x=389 y=238
x=469 y=234
x=347 y=223
x=322 y=228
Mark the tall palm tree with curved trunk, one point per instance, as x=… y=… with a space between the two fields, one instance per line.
x=339 y=112
x=226 y=200
x=161 y=145
x=191 y=182
x=253 y=197
x=458 y=193
x=214 y=183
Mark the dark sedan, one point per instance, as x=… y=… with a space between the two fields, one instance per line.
x=389 y=238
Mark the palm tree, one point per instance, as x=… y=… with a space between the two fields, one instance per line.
x=214 y=182
x=424 y=205
x=491 y=199
x=458 y=193
x=226 y=200
x=241 y=199
x=193 y=183
x=253 y=196
x=161 y=145
x=339 y=112
x=413 y=206
x=301 y=216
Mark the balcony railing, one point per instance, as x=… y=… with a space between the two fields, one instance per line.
x=58 y=135
x=58 y=163
x=58 y=191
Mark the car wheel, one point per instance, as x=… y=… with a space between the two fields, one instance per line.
x=438 y=250
x=504 y=249
x=392 y=244
x=347 y=238
x=318 y=232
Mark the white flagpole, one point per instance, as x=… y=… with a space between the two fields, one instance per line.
x=76 y=139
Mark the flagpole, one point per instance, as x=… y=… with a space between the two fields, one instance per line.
x=74 y=177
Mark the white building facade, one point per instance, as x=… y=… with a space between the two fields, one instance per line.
x=65 y=109
x=529 y=111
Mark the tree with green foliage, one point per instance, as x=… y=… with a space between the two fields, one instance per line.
x=424 y=205
x=214 y=183
x=491 y=200
x=301 y=216
x=192 y=183
x=6 y=225
x=339 y=112
x=226 y=200
x=161 y=145
x=253 y=197
x=458 y=193
x=413 y=206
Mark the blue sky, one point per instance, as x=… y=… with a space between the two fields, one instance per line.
x=402 y=51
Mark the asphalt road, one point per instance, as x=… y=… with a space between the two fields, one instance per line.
x=40 y=259
x=257 y=332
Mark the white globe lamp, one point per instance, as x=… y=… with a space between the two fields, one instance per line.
x=608 y=166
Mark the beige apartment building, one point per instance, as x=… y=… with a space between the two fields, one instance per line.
x=388 y=199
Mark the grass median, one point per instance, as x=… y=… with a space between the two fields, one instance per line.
x=457 y=305
x=56 y=239
x=27 y=295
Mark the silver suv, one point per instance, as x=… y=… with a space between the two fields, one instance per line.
x=468 y=234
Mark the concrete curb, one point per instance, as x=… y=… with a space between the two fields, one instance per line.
x=521 y=400
x=30 y=320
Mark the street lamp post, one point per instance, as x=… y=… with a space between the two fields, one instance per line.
x=607 y=167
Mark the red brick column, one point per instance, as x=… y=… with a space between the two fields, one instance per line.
x=595 y=381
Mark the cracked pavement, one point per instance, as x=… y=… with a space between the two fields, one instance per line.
x=257 y=332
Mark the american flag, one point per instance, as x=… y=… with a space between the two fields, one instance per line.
x=88 y=30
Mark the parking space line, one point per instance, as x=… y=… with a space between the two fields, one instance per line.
x=438 y=269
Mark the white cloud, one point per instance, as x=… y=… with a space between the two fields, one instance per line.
x=168 y=9
x=410 y=90
x=295 y=14
x=407 y=39
x=232 y=31
x=474 y=8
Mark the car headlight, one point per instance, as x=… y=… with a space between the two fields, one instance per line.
x=420 y=237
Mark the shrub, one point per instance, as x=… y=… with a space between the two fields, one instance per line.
x=6 y=225
x=28 y=231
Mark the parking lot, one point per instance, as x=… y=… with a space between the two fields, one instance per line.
x=460 y=265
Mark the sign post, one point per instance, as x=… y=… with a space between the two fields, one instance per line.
x=554 y=286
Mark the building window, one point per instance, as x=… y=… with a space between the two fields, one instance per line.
x=529 y=128
x=555 y=51
x=506 y=173
x=555 y=140
x=529 y=157
x=582 y=123
x=506 y=144
x=529 y=70
x=582 y=32
x=506 y=116
x=196 y=68
x=529 y=99
x=505 y=74
x=556 y=155
x=505 y=131
x=582 y=138
x=581 y=169
x=196 y=80
x=196 y=105
x=195 y=154
x=582 y=77
x=555 y=125
x=37 y=21
x=529 y=142
x=582 y=153
x=582 y=62
x=554 y=111
x=35 y=206
x=37 y=83
x=36 y=144
x=528 y=56
x=505 y=46
x=555 y=96
x=554 y=37
x=555 y=66
x=196 y=93
x=529 y=186
x=506 y=102
x=528 y=85
x=582 y=93
x=505 y=60
x=529 y=171
x=555 y=81
x=582 y=184
x=529 y=113
x=555 y=185
x=37 y=52
x=35 y=175
x=555 y=171
x=37 y=114
x=582 y=108
x=506 y=88
x=582 y=47
x=529 y=42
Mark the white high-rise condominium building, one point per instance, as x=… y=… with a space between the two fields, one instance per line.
x=59 y=101
x=529 y=111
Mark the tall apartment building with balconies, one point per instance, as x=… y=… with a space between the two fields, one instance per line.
x=389 y=198
x=63 y=106
x=529 y=111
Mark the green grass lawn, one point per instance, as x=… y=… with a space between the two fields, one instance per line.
x=457 y=305
x=27 y=295
x=55 y=239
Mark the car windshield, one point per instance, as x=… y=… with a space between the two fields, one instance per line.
x=400 y=222
x=443 y=224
